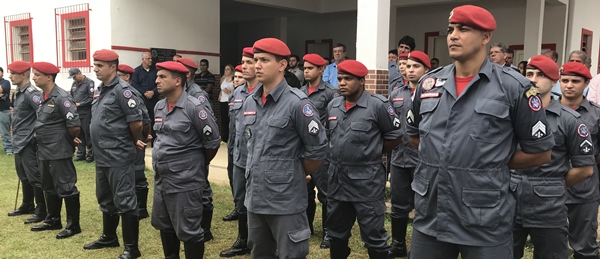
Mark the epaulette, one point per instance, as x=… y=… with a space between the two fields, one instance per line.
x=30 y=88
x=431 y=72
x=517 y=76
x=194 y=100
x=380 y=97
x=63 y=93
x=298 y=93
x=337 y=101
x=570 y=111
x=594 y=104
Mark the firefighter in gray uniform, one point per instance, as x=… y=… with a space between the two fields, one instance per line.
x=56 y=130
x=82 y=92
x=194 y=90
x=240 y=151
x=582 y=199
x=366 y=125
x=405 y=157
x=286 y=143
x=542 y=191
x=116 y=125
x=125 y=72
x=187 y=139
x=26 y=103
x=320 y=93
x=468 y=123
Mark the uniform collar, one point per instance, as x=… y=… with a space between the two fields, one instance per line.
x=85 y=79
x=22 y=89
x=54 y=91
x=320 y=87
x=554 y=107
x=181 y=100
x=112 y=82
x=585 y=104
x=275 y=93
x=448 y=74
x=363 y=100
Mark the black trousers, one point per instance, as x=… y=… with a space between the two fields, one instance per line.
x=59 y=177
x=224 y=108
x=84 y=135
x=26 y=164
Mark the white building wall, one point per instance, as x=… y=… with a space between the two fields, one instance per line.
x=44 y=30
x=585 y=16
x=188 y=25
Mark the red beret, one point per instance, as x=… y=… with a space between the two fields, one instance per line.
x=576 y=68
x=172 y=66
x=106 y=55
x=125 y=69
x=403 y=56
x=46 y=68
x=238 y=68
x=248 y=52
x=352 y=67
x=273 y=46
x=315 y=59
x=420 y=57
x=546 y=65
x=188 y=62
x=473 y=16
x=19 y=67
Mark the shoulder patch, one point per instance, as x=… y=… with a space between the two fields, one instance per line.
x=36 y=98
x=583 y=131
x=535 y=104
x=390 y=111
x=67 y=104
x=203 y=115
x=308 y=110
x=127 y=93
x=201 y=98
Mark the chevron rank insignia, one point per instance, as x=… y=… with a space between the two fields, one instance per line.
x=538 y=130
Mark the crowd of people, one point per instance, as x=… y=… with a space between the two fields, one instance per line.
x=486 y=153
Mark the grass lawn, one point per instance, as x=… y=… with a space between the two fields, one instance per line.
x=17 y=241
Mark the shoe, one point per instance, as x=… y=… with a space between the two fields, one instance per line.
x=240 y=246
x=39 y=213
x=79 y=158
x=399 y=236
x=52 y=221
x=9 y=153
x=130 y=228
x=325 y=242
x=398 y=249
x=48 y=224
x=73 y=207
x=109 y=233
x=27 y=206
x=89 y=159
x=205 y=224
x=142 y=199
x=232 y=216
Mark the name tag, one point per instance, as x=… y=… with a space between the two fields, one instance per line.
x=331 y=118
x=248 y=113
x=230 y=104
x=50 y=105
x=238 y=100
x=158 y=119
x=397 y=99
x=430 y=95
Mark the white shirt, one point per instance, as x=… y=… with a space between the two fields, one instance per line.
x=226 y=85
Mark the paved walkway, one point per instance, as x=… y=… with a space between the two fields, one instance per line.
x=218 y=166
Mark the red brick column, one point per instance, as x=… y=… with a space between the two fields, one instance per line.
x=376 y=82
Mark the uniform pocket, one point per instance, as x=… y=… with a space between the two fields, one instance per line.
x=298 y=250
x=358 y=132
x=278 y=134
x=426 y=111
x=548 y=203
x=108 y=143
x=278 y=185
x=490 y=121
x=480 y=208
x=420 y=186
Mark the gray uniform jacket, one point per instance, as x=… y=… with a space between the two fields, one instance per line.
x=587 y=191
x=237 y=143
x=541 y=191
x=113 y=110
x=466 y=142
x=55 y=115
x=280 y=134
x=194 y=90
x=405 y=155
x=182 y=136
x=356 y=144
x=26 y=102
x=321 y=98
x=83 y=94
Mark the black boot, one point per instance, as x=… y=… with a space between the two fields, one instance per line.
x=579 y=256
x=170 y=244
x=310 y=213
x=73 y=208
x=377 y=255
x=27 y=206
x=109 y=233
x=232 y=216
x=90 y=156
x=325 y=241
x=131 y=232
x=40 y=210
x=142 y=199
x=205 y=224
x=194 y=250
x=338 y=249
x=399 y=238
x=52 y=221
x=240 y=247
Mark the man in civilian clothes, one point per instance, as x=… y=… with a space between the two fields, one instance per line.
x=143 y=80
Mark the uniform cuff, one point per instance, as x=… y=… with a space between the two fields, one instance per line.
x=412 y=130
x=537 y=146
x=213 y=144
x=394 y=134
x=583 y=160
x=134 y=117
x=315 y=152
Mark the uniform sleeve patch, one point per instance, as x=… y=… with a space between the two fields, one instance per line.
x=207 y=130
x=203 y=115
x=390 y=111
x=582 y=131
x=535 y=104
x=410 y=117
x=70 y=116
x=67 y=104
x=127 y=94
x=131 y=103
x=313 y=127
x=308 y=111
x=36 y=99
x=428 y=83
x=585 y=148
x=202 y=99
x=538 y=130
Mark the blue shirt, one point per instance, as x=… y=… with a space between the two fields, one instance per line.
x=330 y=74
